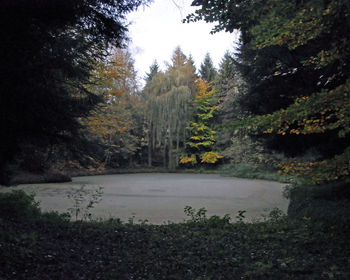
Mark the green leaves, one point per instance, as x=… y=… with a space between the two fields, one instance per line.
x=167 y=99
x=202 y=247
x=202 y=137
x=294 y=58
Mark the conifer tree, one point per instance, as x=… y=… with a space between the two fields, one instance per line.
x=153 y=71
x=47 y=52
x=229 y=87
x=207 y=70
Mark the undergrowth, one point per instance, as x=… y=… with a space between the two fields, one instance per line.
x=35 y=245
x=251 y=171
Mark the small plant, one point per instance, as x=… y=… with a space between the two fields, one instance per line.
x=196 y=217
x=83 y=201
x=276 y=215
x=240 y=215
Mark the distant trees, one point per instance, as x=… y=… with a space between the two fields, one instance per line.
x=179 y=111
x=47 y=51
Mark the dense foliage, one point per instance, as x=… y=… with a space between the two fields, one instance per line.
x=114 y=123
x=167 y=109
x=201 y=135
x=48 y=49
x=294 y=60
x=48 y=246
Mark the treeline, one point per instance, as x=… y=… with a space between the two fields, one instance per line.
x=181 y=118
x=172 y=122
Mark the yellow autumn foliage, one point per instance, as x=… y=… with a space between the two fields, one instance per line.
x=210 y=157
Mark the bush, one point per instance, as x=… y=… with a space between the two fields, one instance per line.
x=329 y=202
x=17 y=205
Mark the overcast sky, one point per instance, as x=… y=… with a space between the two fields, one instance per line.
x=157 y=30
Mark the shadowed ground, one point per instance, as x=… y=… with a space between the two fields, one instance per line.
x=160 y=198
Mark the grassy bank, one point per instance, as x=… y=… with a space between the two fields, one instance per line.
x=238 y=170
x=35 y=245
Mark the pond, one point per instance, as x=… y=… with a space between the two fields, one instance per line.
x=160 y=198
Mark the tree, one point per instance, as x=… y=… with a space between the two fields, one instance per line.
x=48 y=49
x=167 y=110
x=207 y=70
x=202 y=137
x=113 y=123
x=153 y=71
x=229 y=87
x=295 y=60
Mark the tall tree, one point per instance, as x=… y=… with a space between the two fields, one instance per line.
x=113 y=122
x=229 y=87
x=153 y=71
x=207 y=70
x=167 y=98
x=295 y=61
x=48 y=49
x=202 y=136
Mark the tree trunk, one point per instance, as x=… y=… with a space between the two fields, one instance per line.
x=170 y=152
x=164 y=155
x=177 y=146
x=150 y=141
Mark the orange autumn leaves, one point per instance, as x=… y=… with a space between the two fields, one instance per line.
x=112 y=123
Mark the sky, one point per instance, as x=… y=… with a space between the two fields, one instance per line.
x=156 y=31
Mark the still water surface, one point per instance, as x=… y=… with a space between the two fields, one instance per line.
x=160 y=198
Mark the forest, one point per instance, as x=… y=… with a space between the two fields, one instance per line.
x=277 y=103
x=277 y=107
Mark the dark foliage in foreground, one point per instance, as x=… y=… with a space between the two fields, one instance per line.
x=47 y=246
x=48 y=50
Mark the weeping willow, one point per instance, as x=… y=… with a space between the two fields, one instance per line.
x=167 y=98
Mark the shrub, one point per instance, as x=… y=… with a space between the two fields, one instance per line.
x=18 y=205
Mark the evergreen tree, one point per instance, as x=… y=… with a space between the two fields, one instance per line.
x=229 y=87
x=178 y=59
x=207 y=70
x=48 y=49
x=153 y=71
x=294 y=59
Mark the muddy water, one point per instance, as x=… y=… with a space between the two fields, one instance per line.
x=160 y=198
